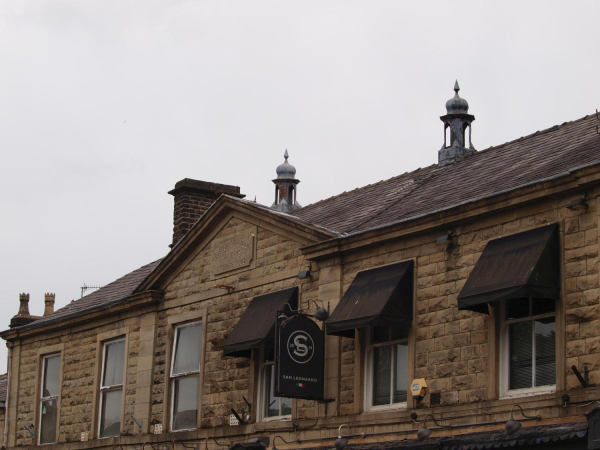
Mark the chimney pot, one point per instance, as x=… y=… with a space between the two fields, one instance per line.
x=49 y=299
x=23 y=317
x=23 y=305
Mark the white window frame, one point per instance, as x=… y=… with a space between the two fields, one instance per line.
x=505 y=392
x=173 y=377
x=43 y=399
x=114 y=387
x=263 y=389
x=369 y=374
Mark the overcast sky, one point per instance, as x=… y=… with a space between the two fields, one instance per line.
x=105 y=105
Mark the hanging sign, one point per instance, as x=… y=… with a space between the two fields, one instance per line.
x=299 y=358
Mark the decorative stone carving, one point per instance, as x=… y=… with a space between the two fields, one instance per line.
x=232 y=253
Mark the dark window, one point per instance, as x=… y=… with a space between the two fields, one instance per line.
x=49 y=398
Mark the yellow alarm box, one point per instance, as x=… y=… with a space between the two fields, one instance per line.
x=418 y=388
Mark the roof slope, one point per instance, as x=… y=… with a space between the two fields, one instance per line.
x=114 y=291
x=530 y=159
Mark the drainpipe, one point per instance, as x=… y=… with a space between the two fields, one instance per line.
x=9 y=346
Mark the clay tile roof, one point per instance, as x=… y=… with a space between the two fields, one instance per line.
x=3 y=379
x=117 y=290
x=530 y=159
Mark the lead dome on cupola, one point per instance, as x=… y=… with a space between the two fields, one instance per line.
x=457 y=105
x=286 y=170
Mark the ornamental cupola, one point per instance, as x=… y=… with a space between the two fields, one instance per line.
x=457 y=120
x=285 y=187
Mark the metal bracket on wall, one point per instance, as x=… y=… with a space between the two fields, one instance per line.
x=583 y=380
x=326 y=401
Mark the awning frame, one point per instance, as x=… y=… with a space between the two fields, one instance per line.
x=520 y=265
x=387 y=294
x=252 y=330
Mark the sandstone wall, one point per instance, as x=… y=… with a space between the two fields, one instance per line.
x=79 y=364
x=226 y=380
x=452 y=347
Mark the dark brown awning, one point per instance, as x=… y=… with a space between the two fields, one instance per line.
x=377 y=297
x=256 y=327
x=522 y=265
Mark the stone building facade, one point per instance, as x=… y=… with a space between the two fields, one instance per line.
x=124 y=351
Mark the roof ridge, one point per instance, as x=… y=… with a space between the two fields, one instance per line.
x=364 y=187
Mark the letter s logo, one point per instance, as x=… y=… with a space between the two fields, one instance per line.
x=301 y=349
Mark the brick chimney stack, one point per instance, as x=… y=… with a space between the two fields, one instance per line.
x=49 y=298
x=192 y=199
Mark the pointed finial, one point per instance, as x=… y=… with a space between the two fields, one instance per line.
x=285 y=155
x=456 y=87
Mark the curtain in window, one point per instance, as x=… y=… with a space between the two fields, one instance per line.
x=114 y=363
x=187 y=349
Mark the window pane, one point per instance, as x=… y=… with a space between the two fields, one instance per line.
x=401 y=373
x=286 y=406
x=110 y=420
x=545 y=352
x=542 y=306
x=382 y=372
x=187 y=349
x=517 y=308
x=114 y=360
x=271 y=404
x=520 y=346
x=185 y=403
x=51 y=372
x=48 y=421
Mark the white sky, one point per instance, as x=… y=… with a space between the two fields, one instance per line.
x=104 y=105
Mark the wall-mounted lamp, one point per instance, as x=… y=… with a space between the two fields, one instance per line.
x=446 y=238
x=29 y=428
x=341 y=442
x=137 y=422
x=512 y=426
x=303 y=274
x=580 y=203
x=424 y=432
x=320 y=313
